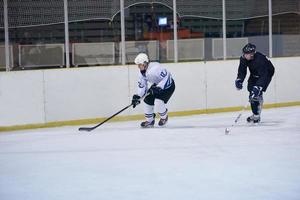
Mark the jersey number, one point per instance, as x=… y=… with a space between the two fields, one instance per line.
x=140 y=85
x=163 y=73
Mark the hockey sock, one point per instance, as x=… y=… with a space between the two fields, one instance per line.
x=256 y=107
x=161 y=108
x=149 y=109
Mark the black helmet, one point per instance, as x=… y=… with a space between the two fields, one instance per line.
x=249 y=48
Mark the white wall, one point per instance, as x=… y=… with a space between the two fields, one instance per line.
x=41 y=96
x=21 y=98
x=81 y=93
x=287 y=82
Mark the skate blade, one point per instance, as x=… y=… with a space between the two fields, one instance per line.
x=144 y=127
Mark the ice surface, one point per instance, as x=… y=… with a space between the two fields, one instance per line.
x=190 y=159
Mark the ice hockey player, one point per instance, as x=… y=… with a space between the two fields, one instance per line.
x=261 y=73
x=159 y=93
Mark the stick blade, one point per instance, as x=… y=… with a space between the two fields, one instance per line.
x=85 y=129
x=227 y=131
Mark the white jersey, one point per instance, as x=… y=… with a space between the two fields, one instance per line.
x=155 y=74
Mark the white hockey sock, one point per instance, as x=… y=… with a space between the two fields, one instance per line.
x=161 y=108
x=148 y=109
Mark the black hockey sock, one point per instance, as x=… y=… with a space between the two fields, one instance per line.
x=255 y=107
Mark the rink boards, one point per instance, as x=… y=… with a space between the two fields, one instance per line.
x=56 y=97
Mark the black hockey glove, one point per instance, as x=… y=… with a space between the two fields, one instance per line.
x=154 y=90
x=135 y=100
x=238 y=84
x=255 y=93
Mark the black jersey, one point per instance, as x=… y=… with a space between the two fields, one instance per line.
x=260 y=67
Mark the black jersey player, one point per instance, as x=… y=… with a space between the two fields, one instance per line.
x=261 y=73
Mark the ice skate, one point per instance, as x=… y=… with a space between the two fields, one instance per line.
x=253 y=119
x=163 y=122
x=147 y=124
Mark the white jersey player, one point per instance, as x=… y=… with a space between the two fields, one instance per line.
x=158 y=94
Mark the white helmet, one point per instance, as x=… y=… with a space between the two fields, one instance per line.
x=141 y=58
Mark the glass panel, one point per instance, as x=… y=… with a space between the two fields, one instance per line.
x=36 y=32
x=2 y=38
x=148 y=28
x=2 y=43
x=245 y=24
x=246 y=21
x=236 y=37
x=95 y=32
x=93 y=42
x=286 y=35
x=286 y=28
x=199 y=25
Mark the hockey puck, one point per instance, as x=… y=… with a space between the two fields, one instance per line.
x=227 y=131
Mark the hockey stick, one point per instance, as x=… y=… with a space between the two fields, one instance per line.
x=227 y=130
x=92 y=128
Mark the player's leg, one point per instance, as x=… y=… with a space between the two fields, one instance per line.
x=149 y=112
x=161 y=104
x=162 y=111
x=256 y=107
x=256 y=104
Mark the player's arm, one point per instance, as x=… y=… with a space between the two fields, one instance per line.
x=142 y=89
x=242 y=72
x=142 y=86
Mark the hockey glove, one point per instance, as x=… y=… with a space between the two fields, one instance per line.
x=255 y=93
x=135 y=100
x=154 y=90
x=238 y=84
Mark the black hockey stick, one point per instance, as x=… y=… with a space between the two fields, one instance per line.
x=92 y=128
